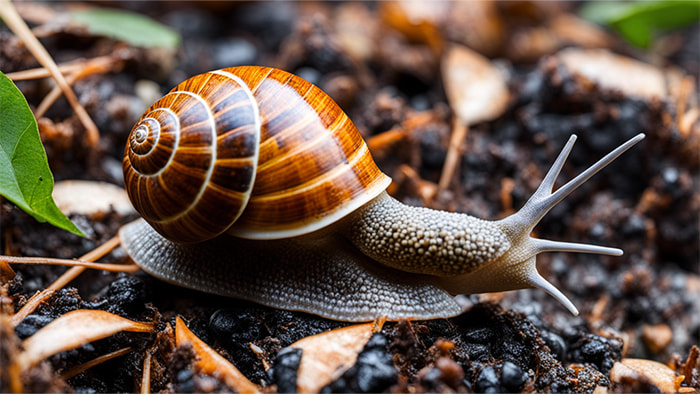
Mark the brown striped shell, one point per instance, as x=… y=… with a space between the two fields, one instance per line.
x=254 y=146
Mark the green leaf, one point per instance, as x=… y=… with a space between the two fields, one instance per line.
x=25 y=177
x=135 y=29
x=638 y=22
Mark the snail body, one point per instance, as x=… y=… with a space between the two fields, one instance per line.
x=254 y=184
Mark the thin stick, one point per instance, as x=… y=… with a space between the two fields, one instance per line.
x=377 y=144
x=70 y=67
x=19 y=27
x=95 y=361
x=98 y=66
x=102 y=250
x=51 y=97
x=92 y=255
x=459 y=133
x=37 y=299
x=63 y=280
x=70 y=263
x=146 y=375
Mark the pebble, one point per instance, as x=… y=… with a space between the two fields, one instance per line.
x=31 y=324
x=231 y=52
x=599 y=351
x=373 y=372
x=512 y=377
x=555 y=342
x=487 y=382
x=284 y=373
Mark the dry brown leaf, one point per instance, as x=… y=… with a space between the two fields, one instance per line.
x=657 y=336
x=477 y=92
x=90 y=198
x=475 y=88
x=658 y=374
x=6 y=272
x=615 y=72
x=572 y=29
x=417 y=20
x=356 y=27
x=212 y=363
x=72 y=330
x=327 y=355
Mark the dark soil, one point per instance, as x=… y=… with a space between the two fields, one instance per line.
x=645 y=203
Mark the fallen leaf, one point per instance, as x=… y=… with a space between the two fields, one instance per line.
x=210 y=362
x=327 y=355
x=477 y=92
x=90 y=198
x=615 y=72
x=476 y=89
x=657 y=336
x=661 y=376
x=72 y=330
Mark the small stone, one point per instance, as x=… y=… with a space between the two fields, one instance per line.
x=31 y=324
x=512 y=377
x=373 y=372
x=231 y=52
x=599 y=351
x=657 y=336
x=487 y=382
x=284 y=373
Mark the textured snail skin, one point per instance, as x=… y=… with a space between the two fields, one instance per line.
x=324 y=276
x=265 y=155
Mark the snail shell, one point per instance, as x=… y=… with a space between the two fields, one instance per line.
x=254 y=146
x=269 y=159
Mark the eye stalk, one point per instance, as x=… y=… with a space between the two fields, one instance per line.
x=519 y=225
x=515 y=266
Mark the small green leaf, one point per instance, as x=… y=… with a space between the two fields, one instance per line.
x=25 y=177
x=135 y=29
x=638 y=22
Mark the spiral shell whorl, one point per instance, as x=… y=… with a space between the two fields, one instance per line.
x=190 y=161
x=191 y=175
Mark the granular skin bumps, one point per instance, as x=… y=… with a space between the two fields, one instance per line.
x=324 y=276
x=424 y=240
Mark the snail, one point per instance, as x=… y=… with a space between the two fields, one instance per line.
x=253 y=184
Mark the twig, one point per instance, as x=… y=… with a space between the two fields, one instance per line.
x=51 y=98
x=99 y=66
x=37 y=299
x=95 y=361
x=459 y=133
x=380 y=143
x=66 y=68
x=62 y=281
x=19 y=27
x=146 y=374
x=70 y=263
